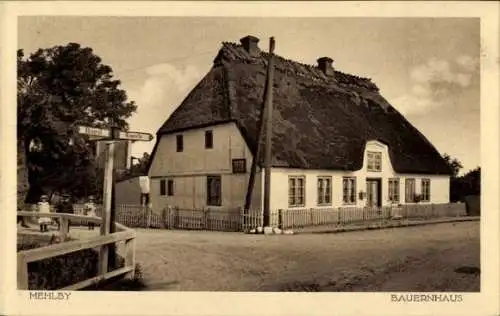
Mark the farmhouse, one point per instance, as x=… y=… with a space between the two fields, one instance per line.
x=336 y=142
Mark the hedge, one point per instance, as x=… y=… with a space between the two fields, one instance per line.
x=64 y=270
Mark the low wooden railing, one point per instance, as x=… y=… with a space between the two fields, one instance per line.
x=123 y=234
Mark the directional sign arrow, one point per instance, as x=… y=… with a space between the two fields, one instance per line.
x=94 y=131
x=136 y=136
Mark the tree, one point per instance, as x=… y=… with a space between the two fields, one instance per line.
x=141 y=167
x=466 y=185
x=59 y=88
x=454 y=164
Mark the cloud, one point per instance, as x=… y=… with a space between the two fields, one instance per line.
x=468 y=63
x=158 y=94
x=435 y=83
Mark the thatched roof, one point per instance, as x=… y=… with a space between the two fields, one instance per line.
x=321 y=120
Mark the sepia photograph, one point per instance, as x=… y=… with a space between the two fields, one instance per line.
x=250 y=154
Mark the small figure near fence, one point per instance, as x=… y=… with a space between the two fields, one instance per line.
x=44 y=208
x=65 y=206
x=90 y=210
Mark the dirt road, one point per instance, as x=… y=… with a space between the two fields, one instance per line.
x=420 y=258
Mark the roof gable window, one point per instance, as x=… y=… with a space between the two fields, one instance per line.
x=374 y=161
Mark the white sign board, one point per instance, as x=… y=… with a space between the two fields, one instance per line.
x=94 y=132
x=134 y=136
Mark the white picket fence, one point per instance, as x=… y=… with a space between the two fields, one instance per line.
x=236 y=220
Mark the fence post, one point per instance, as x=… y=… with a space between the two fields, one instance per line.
x=148 y=216
x=130 y=256
x=63 y=228
x=176 y=217
x=280 y=219
x=241 y=219
x=22 y=273
x=164 y=217
x=169 y=217
x=205 y=218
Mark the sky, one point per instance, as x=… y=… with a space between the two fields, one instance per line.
x=427 y=68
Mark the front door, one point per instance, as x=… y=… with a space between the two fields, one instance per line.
x=373 y=192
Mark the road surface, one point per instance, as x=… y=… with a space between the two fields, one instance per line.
x=423 y=258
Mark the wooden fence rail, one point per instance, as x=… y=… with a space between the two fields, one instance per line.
x=123 y=234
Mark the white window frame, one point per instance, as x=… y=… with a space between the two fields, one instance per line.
x=374 y=161
x=239 y=163
x=426 y=189
x=394 y=190
x=349 y=190
x=324 y=189
x=296 y=192
x=410 y=196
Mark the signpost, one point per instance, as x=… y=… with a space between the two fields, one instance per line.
x=98 y=133
x=134 y=136
x=111 y=136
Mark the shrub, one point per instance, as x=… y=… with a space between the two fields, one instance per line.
x=61 y=271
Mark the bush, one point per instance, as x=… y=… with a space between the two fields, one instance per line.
x=58 y=272
x=473 y=205
x=61 y=271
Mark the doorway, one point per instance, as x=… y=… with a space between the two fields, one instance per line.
x=373 y=192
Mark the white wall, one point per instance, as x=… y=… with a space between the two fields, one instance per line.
x=279 y=183
x=190 y=168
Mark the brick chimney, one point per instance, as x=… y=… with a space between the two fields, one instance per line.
x=250 y=43
x=325 y=65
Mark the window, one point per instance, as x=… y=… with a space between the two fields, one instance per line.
x=163 y=188
x=170 y=187
x=239 y=165
x=324 y=190
x=410 y=190
x=394 y=190
x=349 y=190
x=209 y=139
x=180 y=143
x=296 y=191
x=426 y=190
x=214 y=191
x=374 y=161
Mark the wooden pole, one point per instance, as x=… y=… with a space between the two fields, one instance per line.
x=256 y=158
x=255 y=161
x=112 y=218
x=269 y=134
x=106 y=218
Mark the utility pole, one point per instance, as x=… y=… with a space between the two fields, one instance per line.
x=260 y=133
x=269 y=133
x=256 y=158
